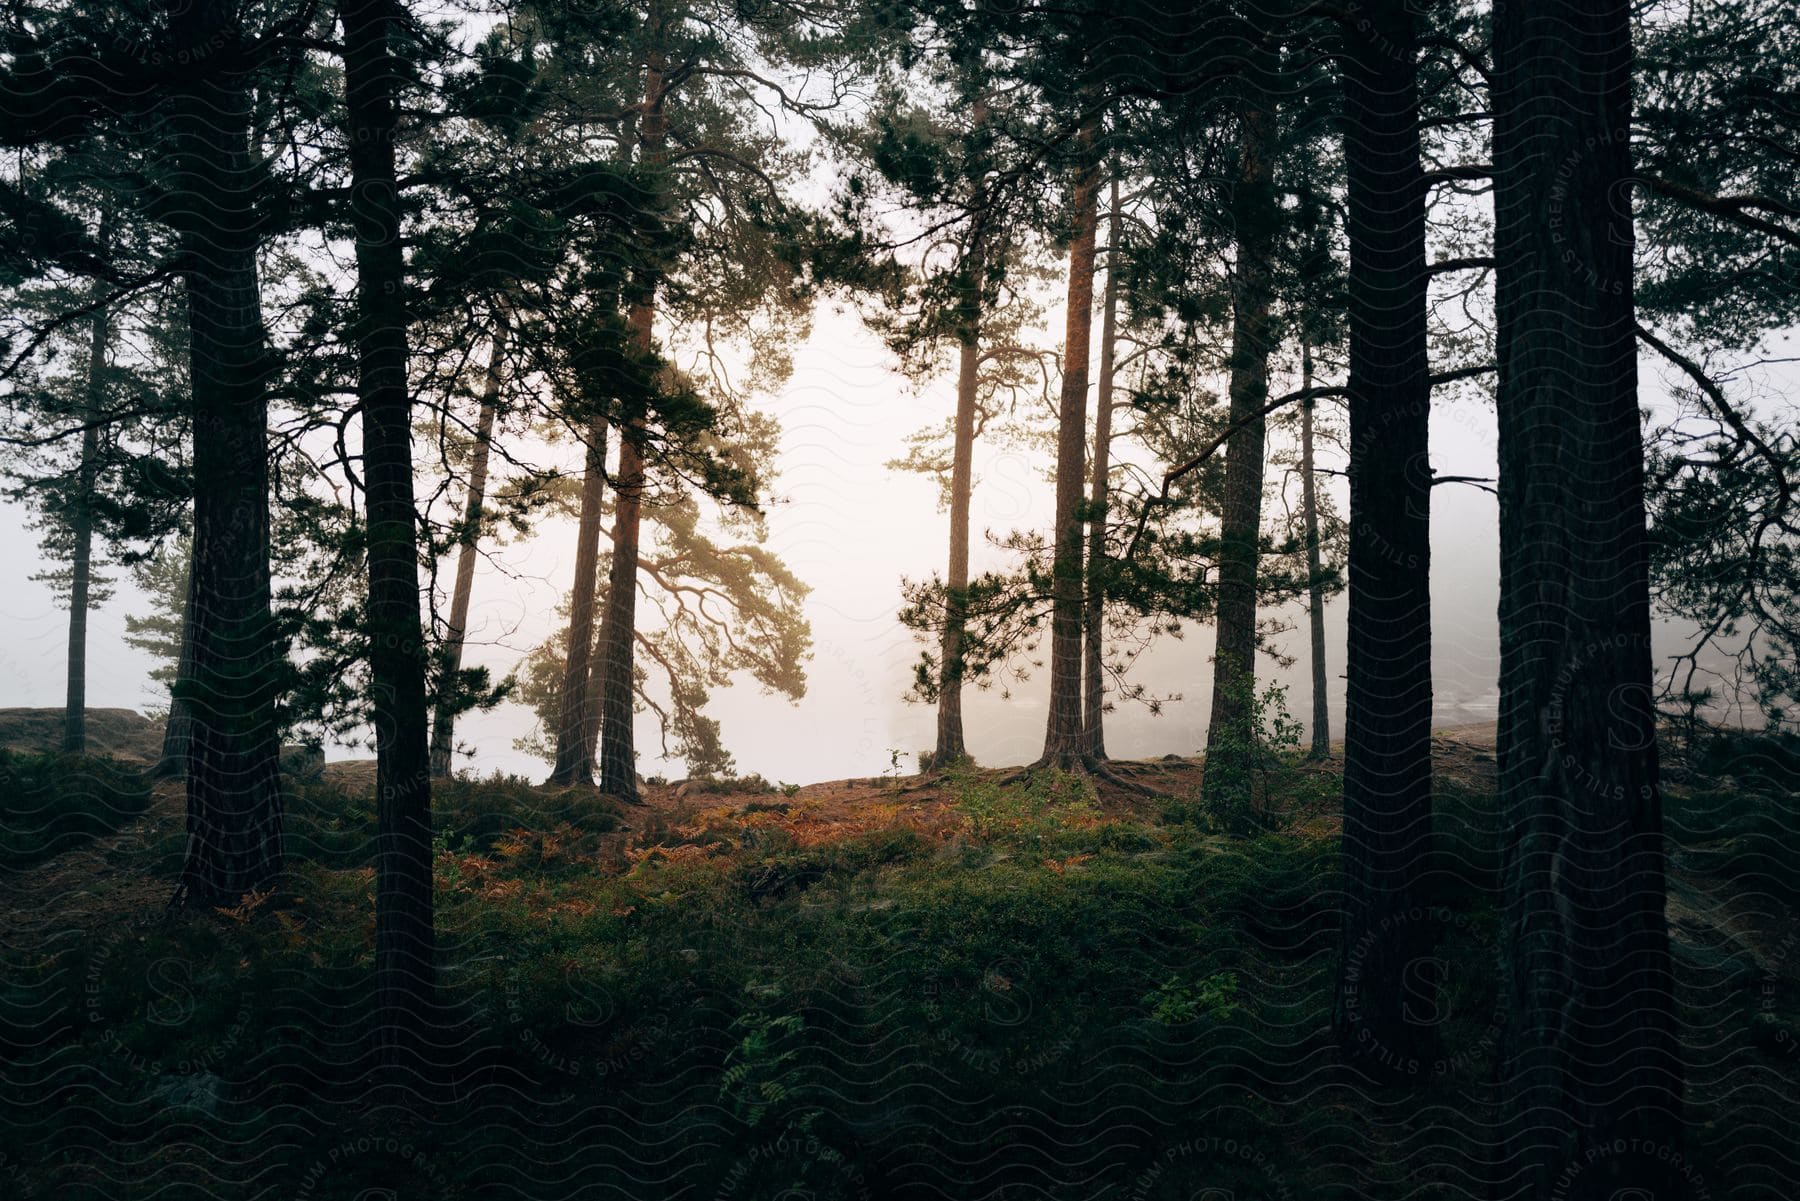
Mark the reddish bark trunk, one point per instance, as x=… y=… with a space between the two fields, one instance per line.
x=1094 y=645
x=618 y=692
x=1064 y=743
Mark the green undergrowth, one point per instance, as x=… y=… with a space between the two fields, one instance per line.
x=1052 y=999
x=53 y=803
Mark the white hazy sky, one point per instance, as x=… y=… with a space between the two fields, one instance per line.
x=851 y=528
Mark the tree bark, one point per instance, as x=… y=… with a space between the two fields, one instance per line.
x=574 y=749
x=618 y=693
x=1230 y=732
x=443 y=730
x=951 y=747
x=1595 y=1071
x=405 y=978
x=1064 y=742
x=618 y=696
x=81 y=558
x=233 y=790
x=1315 y=585
x=1094 y=643
x=1387 y=719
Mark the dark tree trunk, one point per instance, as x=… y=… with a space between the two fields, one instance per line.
x=443 y=729
x=1230 y=732
x=405 y=978
x=951 y=747
x=1094 y=642
x=574 y=748
x=233 y=792
x=1064 y=741
x=618 y=694
x=178 y=731
x=1595 y=1071
x=81 y=560
x=1315 y=585
x=1387 y=718
x=596 y=680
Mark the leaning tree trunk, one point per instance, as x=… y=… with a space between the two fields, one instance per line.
x=443 y=729
x=81 y=558
x=233 y=791
x=1387 y=719
x=1230 y=733
x=618 y=694
x=405 y=977
x=178 y=731
x=1315 y=584
x=1093 y=693
x=1064 y=742
x=574 y=749
x=1594 y=1072
x=951 y=748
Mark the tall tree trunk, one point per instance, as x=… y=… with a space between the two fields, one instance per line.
x=1094 y=644
x=618 y=693
x=404 y=934
x=951 y=747
x=233 y=790
x=81 y=560
x=1595 y=1072
x=574 y=749
x=443 y=729
x=618 y=696
x=1387 y=718
x=1230 y=732
x=1064 y=742
x=1315 y=585
x=178 y=731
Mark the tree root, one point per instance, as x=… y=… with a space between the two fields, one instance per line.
x=1083 y=765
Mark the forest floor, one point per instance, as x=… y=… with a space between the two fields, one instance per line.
x=885 y=986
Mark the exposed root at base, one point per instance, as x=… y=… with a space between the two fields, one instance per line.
x=1082 y=765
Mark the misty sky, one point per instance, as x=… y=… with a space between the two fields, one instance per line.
x=851 y=528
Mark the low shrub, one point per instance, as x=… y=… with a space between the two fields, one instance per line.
x=52 y=803
x=1039 y=807
x=750 y=785
x=335 y=827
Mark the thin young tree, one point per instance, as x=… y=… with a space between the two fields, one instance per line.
x=74 y=740
x=1315 y=580
x=443 y=726
x=1594 y=1069
x=951 y=746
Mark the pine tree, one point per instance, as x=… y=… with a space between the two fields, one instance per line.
x=1387 y=723
x=1594 y=1068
